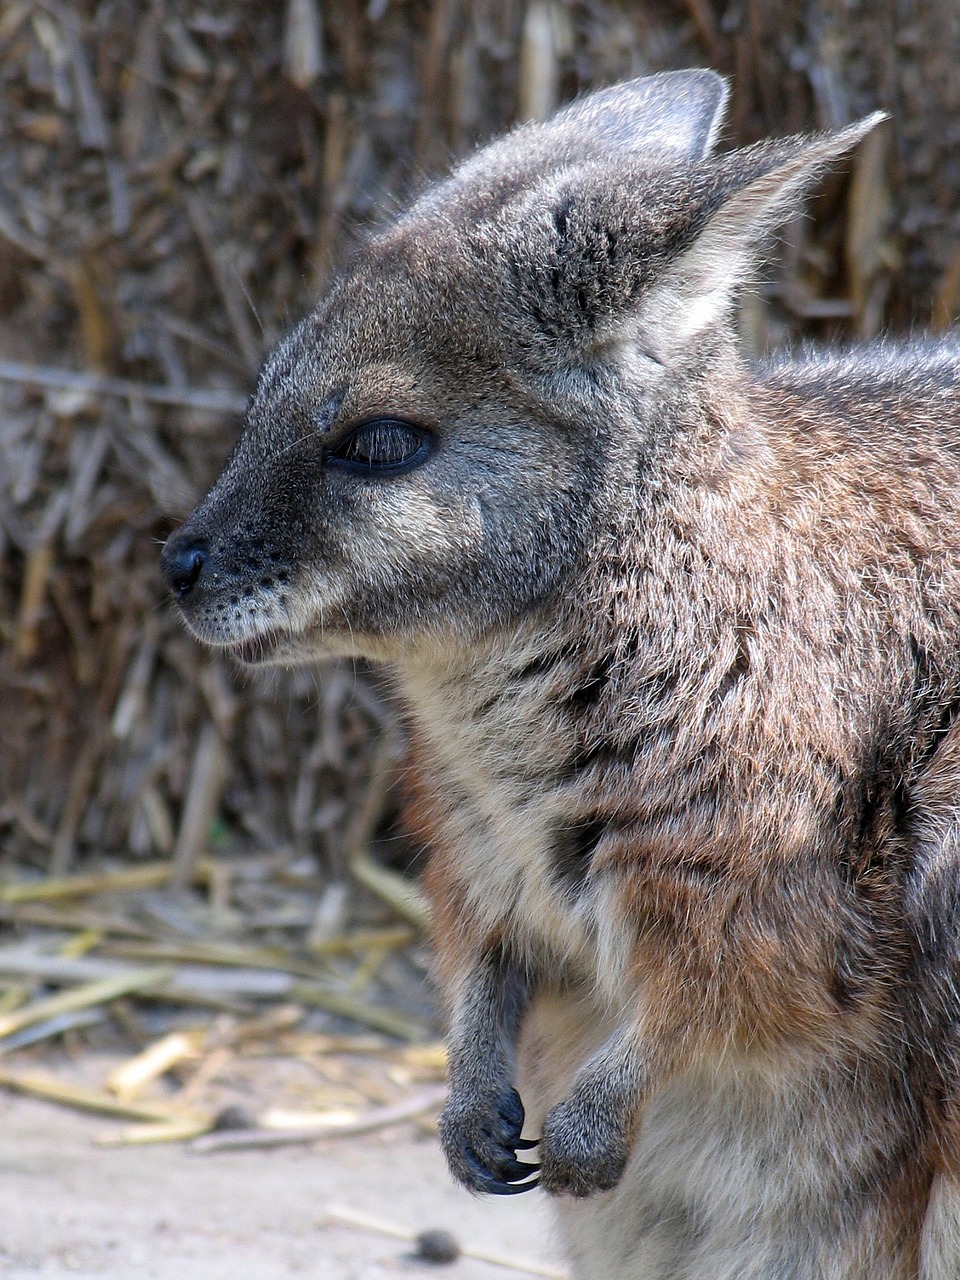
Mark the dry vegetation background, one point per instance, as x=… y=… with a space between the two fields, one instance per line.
x=178 y=178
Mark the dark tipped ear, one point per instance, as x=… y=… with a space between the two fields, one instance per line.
x=767 y=183
x=676 y=113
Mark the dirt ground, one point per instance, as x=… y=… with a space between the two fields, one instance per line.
x=72 y=1208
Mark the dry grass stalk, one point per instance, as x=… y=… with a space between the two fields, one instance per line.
x=84 y=1099
x=87 y=384
x=129 y=1080
x=326 y=1125
x=94 y=993
x=366 y=1222
x=147 y=876
x=397 y=891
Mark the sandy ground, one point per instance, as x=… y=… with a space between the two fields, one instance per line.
x=71 y=1208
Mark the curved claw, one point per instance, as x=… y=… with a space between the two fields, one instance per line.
x=502 y=1180
x=511 y=1188
x=483 y=1148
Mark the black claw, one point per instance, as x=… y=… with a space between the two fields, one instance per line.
x=503 y=1180
x=488 y=1162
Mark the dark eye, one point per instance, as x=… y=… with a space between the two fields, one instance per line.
x=386 y=444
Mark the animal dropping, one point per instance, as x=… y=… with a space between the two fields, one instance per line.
x=680 y=639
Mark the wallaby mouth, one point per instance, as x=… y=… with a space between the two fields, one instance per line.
x=276 y=646
x=255 y=652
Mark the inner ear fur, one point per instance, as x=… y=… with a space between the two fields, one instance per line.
x=742 y=197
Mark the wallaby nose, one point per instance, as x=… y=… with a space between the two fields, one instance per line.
x=182 y=562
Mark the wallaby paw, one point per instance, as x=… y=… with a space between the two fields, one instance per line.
x=480 y=1138
x=584 y=1147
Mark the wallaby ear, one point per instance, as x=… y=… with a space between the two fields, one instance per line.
x=663 y=120
x=677 y=113
x=696 y=289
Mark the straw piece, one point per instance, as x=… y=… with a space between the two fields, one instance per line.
x=371 y=1015
x=337 y=1126
x=35 y=580
x=228 y=955
x=207 y=780
x=81 y=998
x=187 y=982
x=366 y=1222
x=129 y=1080
x=50 y=1028
x=303 y=43
x=148 y=875
x=280 y=1018
x=54 y=918
x=82 y=942
x=394 y=889
x=83 y=1099
x=362 y=940
x=171 y=1130
x=214 y=400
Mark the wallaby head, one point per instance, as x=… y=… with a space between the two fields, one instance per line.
x=427 y=456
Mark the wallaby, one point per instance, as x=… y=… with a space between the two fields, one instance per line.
x=680 y=642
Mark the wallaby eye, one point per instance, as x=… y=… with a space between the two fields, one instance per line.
x=386 y=444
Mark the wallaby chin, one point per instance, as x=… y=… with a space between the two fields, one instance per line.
x=680 y=640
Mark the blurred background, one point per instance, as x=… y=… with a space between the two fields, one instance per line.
x=178 y=180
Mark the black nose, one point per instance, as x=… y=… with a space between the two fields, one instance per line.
x=182 y=562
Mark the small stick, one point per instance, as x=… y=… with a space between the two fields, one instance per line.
x=54 y=918
x=234 y=300
x=130 y=1078
x=171 y=1130
x=391 y=887
x=347 y=1006
x=212 y=401
x=209 y=773
x=92 y=993
x=52 y=1027
x=39 y=564
x=73 y=1095
x=150 y=875
x=351 y=1218
x=364 y=1122
x=363 y=940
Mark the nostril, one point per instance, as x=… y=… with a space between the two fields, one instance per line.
x=182 y=565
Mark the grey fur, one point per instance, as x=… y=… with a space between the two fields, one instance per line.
x=681 y=642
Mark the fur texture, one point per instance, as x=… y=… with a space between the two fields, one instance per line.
x=681 y=642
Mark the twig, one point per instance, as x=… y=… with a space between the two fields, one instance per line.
x=51 y=1027
x=72 y=1095
x=350 y=1218
x=233 y=297
x=207 y=779
x=53 y=918
x=364 y=1122
x=170 y=1130
x=100 y=992
x=212 y=401
x=130 y=1078
x=394 y=889
x=149 y=875
x=376 y=1016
